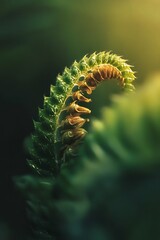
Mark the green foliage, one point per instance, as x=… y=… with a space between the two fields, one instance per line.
x=47 y=140
x=112 y=190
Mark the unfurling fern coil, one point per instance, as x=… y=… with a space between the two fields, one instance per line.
x=60 y=126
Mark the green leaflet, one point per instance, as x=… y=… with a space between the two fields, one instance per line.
x=51 y=142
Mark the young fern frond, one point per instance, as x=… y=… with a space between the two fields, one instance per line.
x=60 y=126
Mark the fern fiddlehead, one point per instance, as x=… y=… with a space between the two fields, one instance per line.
x=59 y=128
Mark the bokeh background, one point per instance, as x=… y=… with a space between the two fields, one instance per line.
x=38 y=39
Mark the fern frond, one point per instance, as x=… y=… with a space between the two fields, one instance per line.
x=60 y=126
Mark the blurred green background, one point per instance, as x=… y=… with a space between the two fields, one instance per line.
x=38 y=39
